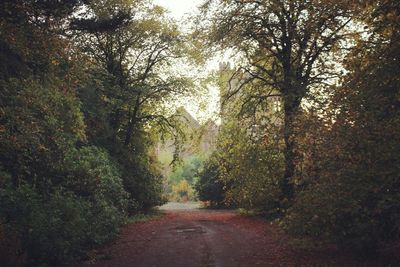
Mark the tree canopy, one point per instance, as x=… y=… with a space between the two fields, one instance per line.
x=309 y=131
x=333 y=66
x=287 y=45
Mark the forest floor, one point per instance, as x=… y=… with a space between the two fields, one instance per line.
x=188 y=236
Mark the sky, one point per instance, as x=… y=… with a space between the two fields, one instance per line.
x=179 y=9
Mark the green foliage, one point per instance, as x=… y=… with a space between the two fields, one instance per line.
x=350 y=180
x=209 y=187
x=349 y=194
x=141 y=179
x=285 y=48
x=79 y=204
x=83 y=97
x=126 y=89
x=57 y=228
x=187 y=170
x=182 y=191
x=95 y=92
x=75 y=120
x=92 y=174
x=40 y=124
x=144 y=217
x=251 y=163
x=183 y=177
x=57 y=200
x=144 y=184
x=340 y=147
x=247 y=168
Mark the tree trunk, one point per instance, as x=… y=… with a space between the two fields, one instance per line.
x=132 y=121
x=115 y=124
x=291 y=106
x=129 y=131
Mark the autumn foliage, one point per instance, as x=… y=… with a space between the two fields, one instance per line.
x=344 y=137
x=310 y=119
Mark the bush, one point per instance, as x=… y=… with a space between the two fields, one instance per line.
x=350 y=163
x=145 y=187
x=350 y=194
x=55 y=229
x=209 y=187
x=140 y=178
x=249 y=164
x=92 y=174
x=40 y=125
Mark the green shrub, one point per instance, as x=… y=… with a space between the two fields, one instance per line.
x=353 y=211
x=141 y=180
x=249 y=164
x=92 y=174
x=40 y=125
x=350 y=165
x=58 y=228
x=209 y=187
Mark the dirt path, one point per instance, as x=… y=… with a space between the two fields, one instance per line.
x=187 y=236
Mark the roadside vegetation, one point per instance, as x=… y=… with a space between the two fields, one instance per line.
x=309 y=133
x=82 y=91
x=310 y=117
x=144 y=217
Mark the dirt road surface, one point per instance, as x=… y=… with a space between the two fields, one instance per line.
x=186 y=236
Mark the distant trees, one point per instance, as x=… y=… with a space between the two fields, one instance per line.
x=183 y=177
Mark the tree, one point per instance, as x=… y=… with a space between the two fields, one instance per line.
x=182 y=191
x=351 y=194
x=137 y=57
x=48 y=167
x=287 y=45
x=129 y=85
x=209 y=187
x=247 y=165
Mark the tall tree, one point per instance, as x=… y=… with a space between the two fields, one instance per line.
x=137 y=58
x=352 y=176
x=287 y=45
x=132 y=79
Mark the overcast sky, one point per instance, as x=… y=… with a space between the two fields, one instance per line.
x=179 y=8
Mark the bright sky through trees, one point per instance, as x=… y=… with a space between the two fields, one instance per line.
x=179 y=9
x=309 y=136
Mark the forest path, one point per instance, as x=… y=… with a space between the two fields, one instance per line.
x=188 y=236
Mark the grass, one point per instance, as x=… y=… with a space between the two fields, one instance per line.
x=270 y=217
x=144 y=217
